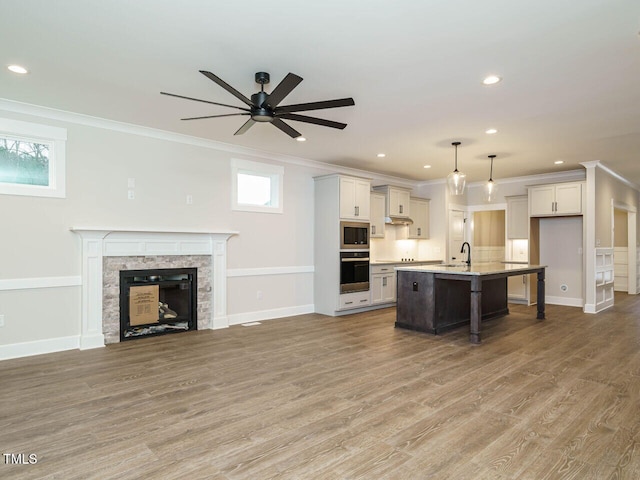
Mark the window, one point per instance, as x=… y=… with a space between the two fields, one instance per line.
x=257 y=187
x=32 y=159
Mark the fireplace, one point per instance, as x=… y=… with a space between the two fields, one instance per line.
x=107 y=251
x=157 y=302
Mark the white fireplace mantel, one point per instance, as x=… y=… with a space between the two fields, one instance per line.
x=100 y=242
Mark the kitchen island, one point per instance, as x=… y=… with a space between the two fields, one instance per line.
x=436 y=298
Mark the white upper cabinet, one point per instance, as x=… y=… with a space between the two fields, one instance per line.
x=397 y=200
x=517 y=217
x=555 y=199
x=420 y=216
x=377 y=215
x=354 y=198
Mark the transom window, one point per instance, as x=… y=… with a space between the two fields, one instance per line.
x=257 y=187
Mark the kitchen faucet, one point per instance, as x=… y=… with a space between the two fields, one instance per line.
x=468 y=262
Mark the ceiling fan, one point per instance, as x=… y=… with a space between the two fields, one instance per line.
x=264 y=107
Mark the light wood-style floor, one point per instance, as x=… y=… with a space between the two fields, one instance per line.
x=314 y=397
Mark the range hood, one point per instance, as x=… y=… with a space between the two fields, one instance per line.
x=398 y=221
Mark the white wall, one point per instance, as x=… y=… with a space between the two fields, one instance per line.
x=37 y=246
x=561 y=250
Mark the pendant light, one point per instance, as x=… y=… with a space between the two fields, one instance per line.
x=490 y=187
x=456 y=180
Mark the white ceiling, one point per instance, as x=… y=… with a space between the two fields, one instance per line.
x=570 y=89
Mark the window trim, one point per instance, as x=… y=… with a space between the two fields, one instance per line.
x=274 y=172
x=56 y=138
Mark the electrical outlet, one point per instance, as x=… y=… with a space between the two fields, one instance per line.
x=259 y=294
x=1 y=320
x=189 y=199
x=131 y=195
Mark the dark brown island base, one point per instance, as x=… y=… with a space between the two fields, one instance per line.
x=435 y=298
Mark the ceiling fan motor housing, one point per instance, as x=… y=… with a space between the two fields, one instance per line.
x=260 y=114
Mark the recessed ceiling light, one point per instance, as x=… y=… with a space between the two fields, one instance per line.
x=18 y=69
x=427 y=166
x=382 y=155
x=301 y=139
x=559 y=162
x=491 y=79
x=491 y=131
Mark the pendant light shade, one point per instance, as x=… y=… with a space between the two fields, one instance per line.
x=456 y=180
x=490 y=187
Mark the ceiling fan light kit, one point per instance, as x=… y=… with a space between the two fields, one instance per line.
x=456 y=180
x=265 y=107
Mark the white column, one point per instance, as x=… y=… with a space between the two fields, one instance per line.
x=91 y=324
x=219 y=282
x=589 y=229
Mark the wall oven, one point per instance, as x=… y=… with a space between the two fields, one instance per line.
x=354 y=271
x=354 y=235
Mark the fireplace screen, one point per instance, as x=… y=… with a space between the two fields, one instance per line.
x=154 y=302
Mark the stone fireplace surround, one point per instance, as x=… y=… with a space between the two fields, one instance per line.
x=108 y=250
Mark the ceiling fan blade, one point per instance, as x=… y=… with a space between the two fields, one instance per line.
x=246 y=126
x=285 y=128
x=216 y=116
x=314 y=120
x=204 y=101
x=283 y=89
x=227 y=87
x=341 y=102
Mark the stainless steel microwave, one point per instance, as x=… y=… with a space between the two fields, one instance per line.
x=354 y=235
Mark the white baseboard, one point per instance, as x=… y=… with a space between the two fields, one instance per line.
x=567 y=302
x=238 y=318
x=39 y=347
x=91 y=341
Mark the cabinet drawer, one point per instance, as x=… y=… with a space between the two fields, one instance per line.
x=354 y=300
x=375 y=269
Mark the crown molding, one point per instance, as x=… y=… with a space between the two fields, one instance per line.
x=122 y=127
x=614 y=174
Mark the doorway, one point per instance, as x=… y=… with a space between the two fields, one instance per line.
x=457 y=224
x=488 y=236
x=623 y=232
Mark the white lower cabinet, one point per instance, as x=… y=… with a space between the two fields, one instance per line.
x=383 y=284
x=354 y=300
x=383 y=288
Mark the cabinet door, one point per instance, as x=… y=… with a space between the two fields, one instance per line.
x=420 y=216
x=568 y=199
x=377 y=215
x=383 y=288
x=362 y=196
x=354 y=198
x=541 y=200
x=399 y=201
x=348 y=198
x=517 y=217
x=389 y=287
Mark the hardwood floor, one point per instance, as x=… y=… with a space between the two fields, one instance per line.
x=315 y=397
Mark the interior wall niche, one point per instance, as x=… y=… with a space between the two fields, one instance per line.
x=620 y=228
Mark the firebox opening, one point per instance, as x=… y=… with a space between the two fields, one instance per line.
x=158 y=301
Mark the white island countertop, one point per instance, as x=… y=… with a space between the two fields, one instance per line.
x=475 y=268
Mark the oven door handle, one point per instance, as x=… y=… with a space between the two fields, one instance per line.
x=354 y=259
